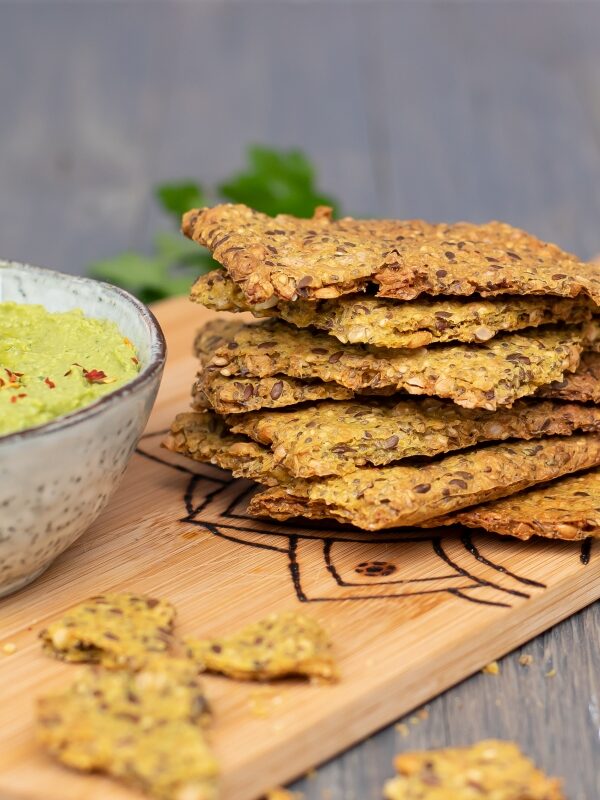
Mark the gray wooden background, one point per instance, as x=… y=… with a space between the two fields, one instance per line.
x=443 y=109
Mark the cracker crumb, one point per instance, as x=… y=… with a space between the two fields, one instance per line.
x=261 y=702
x=283 y=794
x=423 y=713
x=551 y=673
x=414 y=720
x=402 y=729
x=493 y=668
x=525 y=660
x=9 y=648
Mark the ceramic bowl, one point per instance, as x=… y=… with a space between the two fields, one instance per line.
x=56 y=478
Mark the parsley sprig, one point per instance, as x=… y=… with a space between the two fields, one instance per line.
x=274 y=182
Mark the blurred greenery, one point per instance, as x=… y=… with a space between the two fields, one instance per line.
x=273 y=181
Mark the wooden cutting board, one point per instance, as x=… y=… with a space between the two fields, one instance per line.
x=410 y=614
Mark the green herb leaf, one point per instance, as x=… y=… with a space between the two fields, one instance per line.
x=277 y=183
x=177 y=198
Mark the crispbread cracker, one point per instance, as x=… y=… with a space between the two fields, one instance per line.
x=565 y=509
x=387 y=497
x=335 y=438
x=386 y=323
x=474 y=376
x=281 y=645
x=144 y=728
x=317 y=258
x=115 y=630
x=489 y=769
x=582 y=386
x=236 y=395
x=204 y=437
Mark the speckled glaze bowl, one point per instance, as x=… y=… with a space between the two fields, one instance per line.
x=56 y=478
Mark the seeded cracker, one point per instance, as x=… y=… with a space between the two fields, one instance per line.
x=205 y=438
x=386 y=323
x=388 y=497
x=144 y=728
x=281 y=645
x=115 y=630
x=565 y=509
x=318 y=259
x=235 y=395
x=489 y=769
x=473 y=376
x=335 y=438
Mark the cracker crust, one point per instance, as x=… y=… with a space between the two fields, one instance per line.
x=474 y=376
x=319 y=258
x=386 y=323
x=405 y=495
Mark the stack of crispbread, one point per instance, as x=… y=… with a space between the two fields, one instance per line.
x=407 y=374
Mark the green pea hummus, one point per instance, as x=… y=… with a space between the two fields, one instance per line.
x=54 y=363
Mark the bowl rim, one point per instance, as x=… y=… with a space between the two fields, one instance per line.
x=158 y=353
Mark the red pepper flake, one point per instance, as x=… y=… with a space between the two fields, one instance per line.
x=135 y=360
x=13 y=399
x=13 y=376
x=49 y=383
x=2 y=382
x=67 y=373
x=94 y=375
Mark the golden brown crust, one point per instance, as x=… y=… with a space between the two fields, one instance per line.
x=318 y=258
x=474 y=376
x=144 y=728
x=386 y=323
x=565 y=509
x=335 y=438
x=387 y=497
x=281 y=645
x=582 y=386
x=488 y=769
x=204 y=437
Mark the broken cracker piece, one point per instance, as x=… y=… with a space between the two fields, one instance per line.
x=488 y=769
x=115 y=630
x=388 y=323
x=387 y=497
x=568 y=508
x=283 y=644
x=144 y=728
x=474 y=376
x=289 y=258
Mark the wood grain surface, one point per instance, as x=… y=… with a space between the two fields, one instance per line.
x=444 y=605
x=443 y=109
